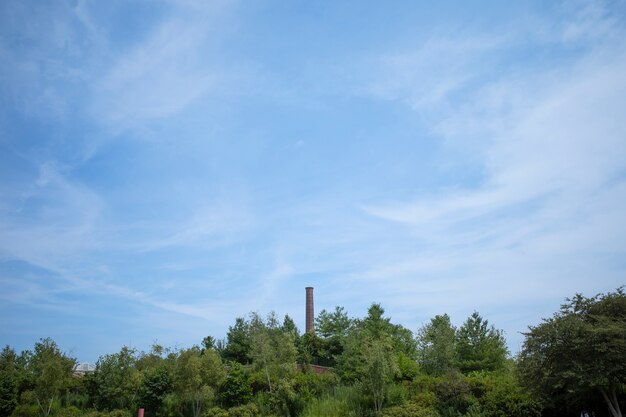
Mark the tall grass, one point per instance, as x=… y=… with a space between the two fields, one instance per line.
x=340 y=402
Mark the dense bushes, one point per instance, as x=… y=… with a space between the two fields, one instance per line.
x=264 y=369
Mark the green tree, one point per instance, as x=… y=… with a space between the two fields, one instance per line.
x=327 y=344
x=52 y=373
x=437 y=345
x=480 y=347
x=335 y=324
x=156 y=384
x=235 y=389
x=272 y=351
x=238 y=342
x=579 y=353
x=378 y=370
x=115 y=382
x=197 y=374
x=9 y=382
x=289 y=326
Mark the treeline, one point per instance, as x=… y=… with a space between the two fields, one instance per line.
x=573 y=363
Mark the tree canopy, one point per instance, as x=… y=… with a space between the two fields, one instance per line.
x=579 y=353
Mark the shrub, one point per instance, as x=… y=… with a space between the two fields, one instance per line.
x=409 y=410
x=24 y=410
x=70 y=411
x=248 y=410
x=396 y=395
x=215 y=412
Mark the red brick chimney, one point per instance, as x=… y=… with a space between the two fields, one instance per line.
x=310 y=315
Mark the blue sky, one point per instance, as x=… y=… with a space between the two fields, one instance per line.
x=168 y=166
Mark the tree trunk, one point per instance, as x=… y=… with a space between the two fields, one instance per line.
x=46 y=411
x=612 y=402
x=267 y=374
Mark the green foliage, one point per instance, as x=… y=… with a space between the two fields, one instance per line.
x=247 y=410
x=116 y=380
x=309 y=385
x=342 y=402
x=479 y=346
x=453 y=394
x=397 y=394
x=382 y=369
x=501 y=395
x=238 y=342
x=9 y=381
x=378 y=370
x=335 y=324
x=26 y=410
x=273 y=351
x=196 y=376
x=408 y=367
x=215 y=412
x=437 y=345
x=155 y=385
x=409 y=410
x=289 y=327
x=236 y=388
x=52 y=373
x=171 y=406
x=70 y=411
x=578 y=355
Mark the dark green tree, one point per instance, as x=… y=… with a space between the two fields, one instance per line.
x=156 y=384
x=235 y=389
x=437 y=345
x=579 y=353
x=333 y=325
x=9 y=381
x=331 y=330
x=289 y=326
x=480 y=347
x=238 y=342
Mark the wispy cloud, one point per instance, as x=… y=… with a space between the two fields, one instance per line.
x=166 y=72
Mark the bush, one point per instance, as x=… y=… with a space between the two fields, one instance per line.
x=215 y=412
x=409 y=410
x=396 y=395
x=70 y=411
x=248 y=410
x=118 y=413
x=454 y=394
x=24 y=410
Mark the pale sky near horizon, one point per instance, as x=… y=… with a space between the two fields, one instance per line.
x=167 y=166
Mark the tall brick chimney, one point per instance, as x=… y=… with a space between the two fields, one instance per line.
x=310 y=315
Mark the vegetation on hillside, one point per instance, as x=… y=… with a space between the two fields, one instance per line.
x=571 y=363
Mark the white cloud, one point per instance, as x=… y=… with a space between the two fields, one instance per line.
x=163 y=75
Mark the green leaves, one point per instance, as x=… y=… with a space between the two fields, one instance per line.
x=579 y=352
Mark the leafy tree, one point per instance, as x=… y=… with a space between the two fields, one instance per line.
x=235 y=389
x=8 y=381
x=378 y=370
x=115 y=382
x=333 y=325
x=156 y=384
x=579 y=353
x=196 y=376
x=289 y=326
x=272 y=350
x=437 y=345
x=328 y=342
x=52 y=373
x=480 y=347
x=238 y=342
